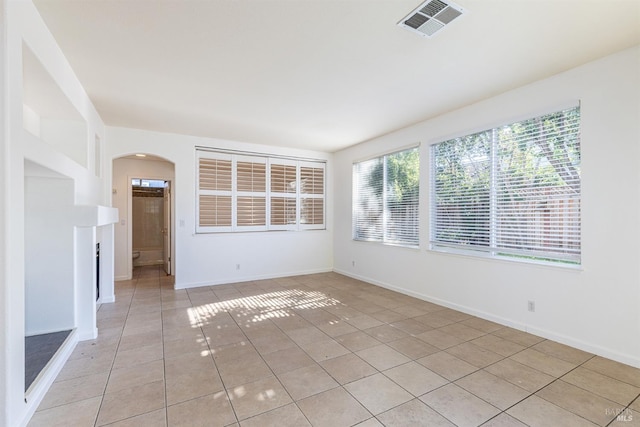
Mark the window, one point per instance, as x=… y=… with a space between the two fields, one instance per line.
x=238 y=192
x=385 y=198
x=510 y=191
x=151 y=183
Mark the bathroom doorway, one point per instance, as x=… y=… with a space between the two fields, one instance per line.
x=153 y=174
x=151 y=222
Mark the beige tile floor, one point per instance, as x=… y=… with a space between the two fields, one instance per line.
x=322 y=350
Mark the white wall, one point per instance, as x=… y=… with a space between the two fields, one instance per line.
x=30 y=120
x=22 y=26
x=4 y=292
x=595 y=308
x=84 y=283
x=67 y=136
x=123 y=171
x=206 y=259
x=49 y=282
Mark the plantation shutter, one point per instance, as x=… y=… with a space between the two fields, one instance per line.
x=311 y=195
x=246 y=192
x=215 y=192
x=283 y=194
x=511 y=191
x=251 y=202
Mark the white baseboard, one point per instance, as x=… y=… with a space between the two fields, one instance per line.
x=249 y=278
x=92 y=335
x=585 y=346
x=148 y=263
x=36 y=392
x=106 y=300
x=550 y=335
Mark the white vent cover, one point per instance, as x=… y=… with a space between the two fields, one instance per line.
x=430 y=17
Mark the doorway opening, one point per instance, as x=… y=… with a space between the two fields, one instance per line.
x=150 y=173
x=151 y=222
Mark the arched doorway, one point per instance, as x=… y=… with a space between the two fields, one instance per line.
x=142 y=192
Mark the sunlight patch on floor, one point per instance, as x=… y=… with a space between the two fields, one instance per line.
x=261 y=307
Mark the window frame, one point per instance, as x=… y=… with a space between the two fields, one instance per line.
x=384 y=226
x=492 y=250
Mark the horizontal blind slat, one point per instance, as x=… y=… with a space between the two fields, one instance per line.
x=533 y=209
x=386 y=198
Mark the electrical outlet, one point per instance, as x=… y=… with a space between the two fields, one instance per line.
x=531 y=306
x=353 y=263
x=237 y=266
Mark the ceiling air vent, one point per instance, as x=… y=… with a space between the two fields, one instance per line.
x=430 y=17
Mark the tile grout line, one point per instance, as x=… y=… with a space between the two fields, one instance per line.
x=628 y=407
x=115 y=354
x=213 y=359
x=501 y=411
x=159 y=285
x=588 y=391
x=326 y=287
x=164 y=359
x=270 y=369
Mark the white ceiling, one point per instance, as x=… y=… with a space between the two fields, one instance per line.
x=317 y=74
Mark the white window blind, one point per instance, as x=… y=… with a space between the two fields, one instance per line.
x=511 y=191
x=238 y=192
x=385 y=198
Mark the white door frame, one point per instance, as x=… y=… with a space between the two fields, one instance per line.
x=130 y=221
